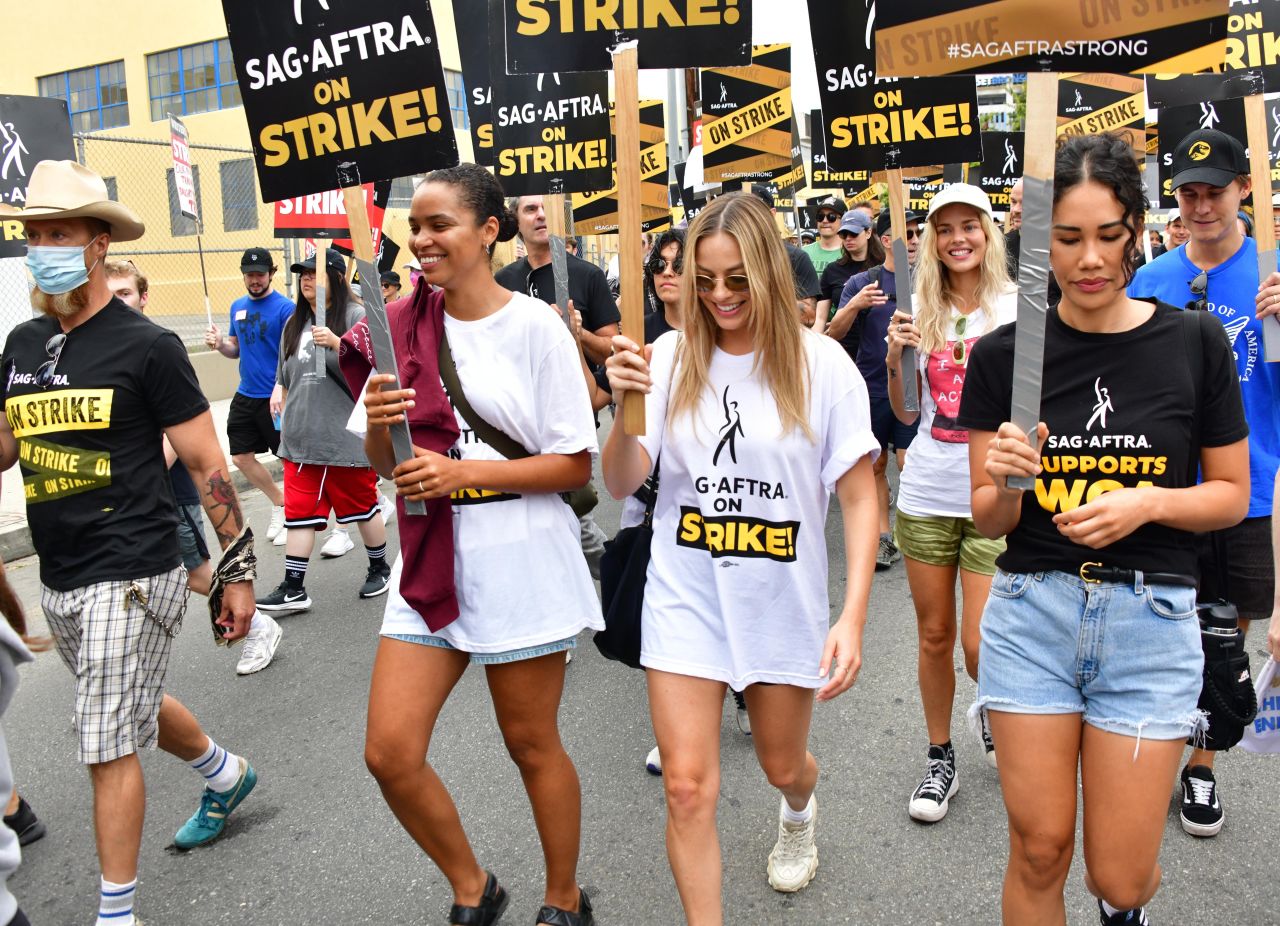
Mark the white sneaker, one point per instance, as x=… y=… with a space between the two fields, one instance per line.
x=386 y=508
x=259 y=645
x=653 y=762
x=281 y=538
x=338 y=543
x=794 y=858
x=276 y=526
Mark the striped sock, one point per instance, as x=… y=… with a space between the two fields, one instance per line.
x=220 y=769
x=115 y=903
x=377 y=555
x=295 y=572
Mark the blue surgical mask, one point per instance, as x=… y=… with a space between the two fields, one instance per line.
x=58 y=270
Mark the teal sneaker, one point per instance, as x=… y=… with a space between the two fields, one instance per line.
x=210 y=820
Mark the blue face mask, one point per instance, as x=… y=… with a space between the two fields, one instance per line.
x=58 y=270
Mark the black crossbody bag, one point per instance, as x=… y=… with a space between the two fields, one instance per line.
x=582 y=500
x=623 y=570
x=1227 y=696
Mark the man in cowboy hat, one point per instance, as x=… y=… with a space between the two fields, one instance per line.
x=89 y=388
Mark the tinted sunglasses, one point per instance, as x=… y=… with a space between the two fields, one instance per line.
x=958 y=351
x=734 y=282
x=53 y=347
x=828 y=217
x=657 y=265
x=1199 y=288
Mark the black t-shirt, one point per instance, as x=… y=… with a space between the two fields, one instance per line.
x=587 y=288
x=93 y=467
x=184 y=490
x=655 y=326
x=806 y=277
x=1120 y=413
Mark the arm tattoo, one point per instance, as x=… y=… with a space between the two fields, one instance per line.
x=223 y=508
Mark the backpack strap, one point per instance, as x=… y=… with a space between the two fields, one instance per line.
x=1193 y=331
x=500 y=441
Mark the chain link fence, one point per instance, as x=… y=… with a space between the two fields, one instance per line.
x=139 y=173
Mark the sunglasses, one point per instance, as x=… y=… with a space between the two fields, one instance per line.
x=828 y=217
x=734 y=282
x=959 y=353
x=657 y=266
x=1199 y=287
x=53 y=347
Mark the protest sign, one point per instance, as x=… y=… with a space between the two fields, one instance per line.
x=348 y=81
x=475 y=22
x=1001 y=165
x=925 y=38
x=1251 y=63
x=1092 y=103
x=746 y=118
x=869 y=123
x=184 y=183
x=793 y=179
x=597 y=213
x=1176 y=122
x=32 y=129
x=576 y=35
x=551 y=133
x=324 y=215
x=692 y=203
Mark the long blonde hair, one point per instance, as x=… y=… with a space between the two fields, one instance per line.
x=933 y=296
x=777 y=336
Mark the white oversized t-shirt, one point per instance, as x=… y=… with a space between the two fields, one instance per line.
x=737 y=581
x=521 y=577
x=935 y=480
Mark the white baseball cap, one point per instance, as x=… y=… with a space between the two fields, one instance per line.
x=964 y=193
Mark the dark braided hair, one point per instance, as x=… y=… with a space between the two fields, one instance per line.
x=480 y=191
x=1109 y=160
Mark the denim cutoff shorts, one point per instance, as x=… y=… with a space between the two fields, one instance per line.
x=1126 y=656
x=490 y=659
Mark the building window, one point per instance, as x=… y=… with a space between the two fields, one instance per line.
x=179 y=224
x=457 y=99
x=401 y=196
x=193 y=79
x=96 y=97
x=239 y=197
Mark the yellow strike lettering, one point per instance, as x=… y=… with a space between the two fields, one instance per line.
x=690 y=526
x=277 y=149
x=368 y=124
x=598 y=14
x=1057 y=497
x=61 y=410
x=344 y=128
x=702 y=13
x=324 y=131
x=533 y=19
x=660 y=9
x=298 y=128
x=404 y=115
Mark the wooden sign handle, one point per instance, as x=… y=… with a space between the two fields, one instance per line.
x=1255 y=119
x=902 y=280
x=358 y=222
x=627 y=118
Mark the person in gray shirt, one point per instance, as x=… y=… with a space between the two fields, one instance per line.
x=325 y=467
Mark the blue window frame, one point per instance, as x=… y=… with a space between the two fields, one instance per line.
x=96 y=96
x=457 y=99
x=192 y=79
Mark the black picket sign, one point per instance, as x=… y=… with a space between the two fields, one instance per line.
x=32 y=129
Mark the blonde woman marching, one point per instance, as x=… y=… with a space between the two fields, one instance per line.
x=757 y=421
x=962 y=290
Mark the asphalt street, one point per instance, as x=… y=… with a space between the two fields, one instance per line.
x=315 y=844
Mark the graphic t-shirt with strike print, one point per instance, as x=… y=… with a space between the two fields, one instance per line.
x=1120 y=410
x=737 y=581
x=935 y=480
x=518 y=567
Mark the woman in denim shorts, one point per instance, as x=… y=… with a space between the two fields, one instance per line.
x=1091 y=656
x=962 y=291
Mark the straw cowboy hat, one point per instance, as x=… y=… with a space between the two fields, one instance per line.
x=68 y=190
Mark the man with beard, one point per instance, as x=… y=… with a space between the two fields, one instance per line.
x=257 y=321
x=90 y=388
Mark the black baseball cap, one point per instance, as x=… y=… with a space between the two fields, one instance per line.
x=763 y=193
x=333 y=260
x=390 y=277
x=257 y=260
x=885 y=221
x=1208 y=156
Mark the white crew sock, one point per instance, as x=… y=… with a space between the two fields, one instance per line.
x=219 y=768
x=797 y=816
x=115 y=903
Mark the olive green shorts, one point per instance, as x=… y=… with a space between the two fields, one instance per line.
x=942 y=541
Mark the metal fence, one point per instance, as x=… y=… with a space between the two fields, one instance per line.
x=139 y=173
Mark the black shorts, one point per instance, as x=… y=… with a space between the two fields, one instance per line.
x=249 y=426
x=886 y=427
x=1250 y=568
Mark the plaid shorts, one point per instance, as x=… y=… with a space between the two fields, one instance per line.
x=119 y=655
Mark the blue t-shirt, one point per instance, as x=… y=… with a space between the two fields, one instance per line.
x=258 y=324
x=1233 y=287
x=865 y=340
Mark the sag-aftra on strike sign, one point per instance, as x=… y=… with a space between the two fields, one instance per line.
x=328 y=82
